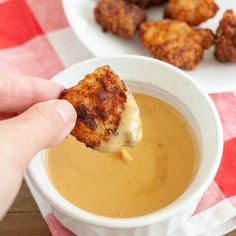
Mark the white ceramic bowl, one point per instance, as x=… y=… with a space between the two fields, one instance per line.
x=159 y=79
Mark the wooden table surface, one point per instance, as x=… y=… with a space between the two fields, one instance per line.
x=25 y=219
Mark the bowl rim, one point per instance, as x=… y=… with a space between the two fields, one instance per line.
x=162 y=214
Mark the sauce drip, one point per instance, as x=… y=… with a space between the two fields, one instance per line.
x=129 y=131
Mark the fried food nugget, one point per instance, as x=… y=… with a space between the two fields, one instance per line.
x=208 y=37
x=225 y=50
x=192 y=12
x=146 y=3
x=99 y=100
x=175 y=42
x=119 y=17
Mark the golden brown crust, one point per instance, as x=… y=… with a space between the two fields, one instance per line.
x=175 y=42
x=119 y=17
x=179 y=53
x=192 y=12
x=99 y=100
x=208 y=37
x=225 y=50
x=147 y=3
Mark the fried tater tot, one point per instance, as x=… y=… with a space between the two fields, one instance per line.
x=192 y=12
x=225 y=50
x=175 y=42
x=119 y=17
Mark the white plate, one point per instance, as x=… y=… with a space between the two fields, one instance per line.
x=211 y=75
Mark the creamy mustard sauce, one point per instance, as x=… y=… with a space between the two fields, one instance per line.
x=163 y=165
x=129 y=131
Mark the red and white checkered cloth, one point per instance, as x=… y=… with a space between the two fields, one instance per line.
x=35 y=39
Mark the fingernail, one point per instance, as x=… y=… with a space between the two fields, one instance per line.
x=66 y=111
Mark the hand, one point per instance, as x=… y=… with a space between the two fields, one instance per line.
x=31 y=119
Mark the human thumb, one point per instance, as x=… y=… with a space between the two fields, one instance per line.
x=43 y=125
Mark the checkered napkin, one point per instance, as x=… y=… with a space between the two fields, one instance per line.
x=35 y=39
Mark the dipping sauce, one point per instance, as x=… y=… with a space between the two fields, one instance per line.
x=135 y=181
x=129 y=131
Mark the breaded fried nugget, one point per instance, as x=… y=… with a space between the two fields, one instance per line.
x=225 y=50
x=192 y=12
x=119 y=17
x=208 y=37
x=175 y=42
x=99 y=99
x=146 y=3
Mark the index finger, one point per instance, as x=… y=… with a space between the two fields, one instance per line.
x=18 y=93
